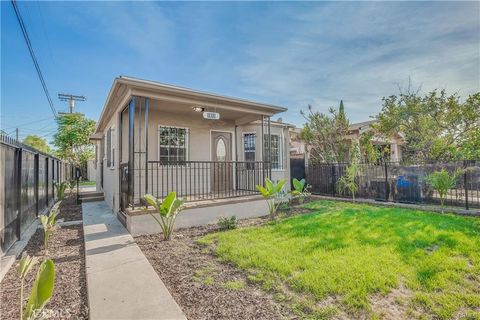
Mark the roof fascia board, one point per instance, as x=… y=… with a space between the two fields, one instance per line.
x=163 y=97
x=200 y=95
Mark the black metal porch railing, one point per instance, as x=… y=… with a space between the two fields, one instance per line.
x=198 y=180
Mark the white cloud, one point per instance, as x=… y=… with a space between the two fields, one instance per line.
x=360 y=52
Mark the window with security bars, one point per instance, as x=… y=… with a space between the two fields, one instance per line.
x=275 y=149
x=173 y=145
x=249 y=146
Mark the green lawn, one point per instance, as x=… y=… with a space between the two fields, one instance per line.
x=344 y=258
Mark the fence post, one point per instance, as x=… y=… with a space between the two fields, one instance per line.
x=333 y=180
x=387 y=185
x=465 y=184
x=36 y=180
x=18 y=187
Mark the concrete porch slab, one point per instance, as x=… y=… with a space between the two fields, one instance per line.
x=121 y=282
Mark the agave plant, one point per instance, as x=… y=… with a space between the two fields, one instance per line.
x=442 y=181
x=42 y=289
x=60 y=188
x=270 y=192
x=168 y=209
x=49 y=224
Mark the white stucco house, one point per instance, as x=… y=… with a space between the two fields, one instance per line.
x=156 y=138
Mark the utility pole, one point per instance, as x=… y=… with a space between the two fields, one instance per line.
x=71 y=98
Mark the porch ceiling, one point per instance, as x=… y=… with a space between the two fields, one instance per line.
x=182 y=109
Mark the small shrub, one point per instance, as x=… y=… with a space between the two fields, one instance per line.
x=300 y=190
x=347 y=182
x=49 y=224
x=42 y=289
x=442 y=181
x=271 y=193
x=168 y=210
x=60 y=189
x=227 y=223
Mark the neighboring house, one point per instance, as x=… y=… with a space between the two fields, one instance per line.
x=156 y=138
x=298 y=149
x=392 y=145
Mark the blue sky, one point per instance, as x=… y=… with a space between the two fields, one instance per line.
x=290 y=54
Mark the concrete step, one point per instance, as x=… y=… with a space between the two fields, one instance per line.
x=84 y=195
x=92 y=198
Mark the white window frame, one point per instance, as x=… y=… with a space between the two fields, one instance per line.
x=187 y=140
x=280 y=150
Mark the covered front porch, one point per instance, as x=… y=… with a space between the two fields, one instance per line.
x=202 y=147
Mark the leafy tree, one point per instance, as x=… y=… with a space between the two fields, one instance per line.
x=436 y=126
x=72 y=139
x=442 y=181
x=270 y=192
x=325 y=135
x=37 y=142
x=168 y=210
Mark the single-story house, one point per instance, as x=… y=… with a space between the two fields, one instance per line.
x=394 y=143
x=155 y=138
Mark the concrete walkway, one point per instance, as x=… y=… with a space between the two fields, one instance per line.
x=121 y=282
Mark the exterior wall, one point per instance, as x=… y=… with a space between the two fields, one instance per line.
x=282 y=131
x=91 y=170
x=199 y=147
x=191 y=217
x=110 y=174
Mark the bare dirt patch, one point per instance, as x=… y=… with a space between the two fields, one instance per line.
x=69 y=209
x=69 y=301
x=204 y=287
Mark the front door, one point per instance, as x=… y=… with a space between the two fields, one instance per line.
x=221 y=174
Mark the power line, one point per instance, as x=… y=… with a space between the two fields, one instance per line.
x=27 y=123
x=32 y=54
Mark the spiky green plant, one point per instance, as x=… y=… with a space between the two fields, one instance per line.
x=347 y=182
x=270 y=192
x=49 y=224
x=168 y=209
x=442 y=181
x=60 y=188
x=42 y=289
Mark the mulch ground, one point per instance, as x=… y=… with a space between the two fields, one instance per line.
x=69 y=301
x=204 y=287
x=70 y=210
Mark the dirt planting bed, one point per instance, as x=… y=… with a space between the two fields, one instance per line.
x=70 y=210
x=204 y=287
x=69 y=301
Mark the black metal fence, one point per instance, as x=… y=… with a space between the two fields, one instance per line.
x=194 y=180
x=400 y=183
x=26 y=187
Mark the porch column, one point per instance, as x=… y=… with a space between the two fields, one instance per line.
x=146 y=145
x=131 y=150
x=269 y=151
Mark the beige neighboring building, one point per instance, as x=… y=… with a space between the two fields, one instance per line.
x=393 y=143
x=298 y=148
x=156 y=138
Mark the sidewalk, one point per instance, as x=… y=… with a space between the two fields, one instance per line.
x=121 y=282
